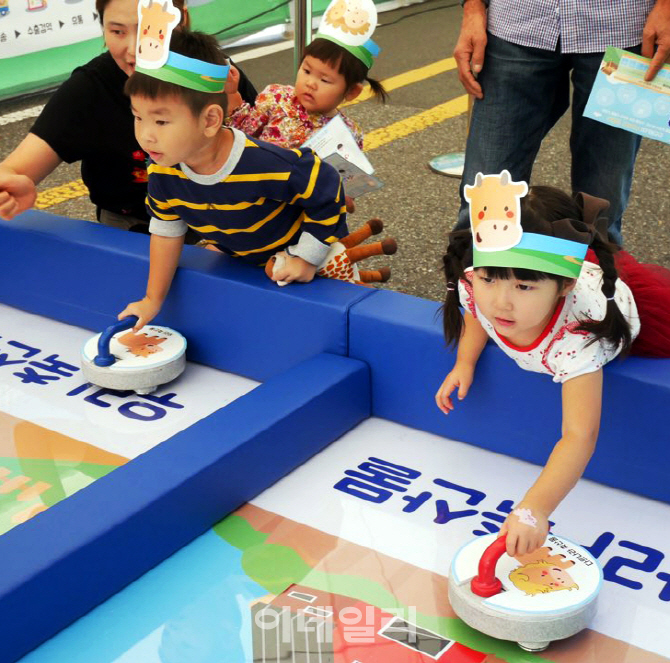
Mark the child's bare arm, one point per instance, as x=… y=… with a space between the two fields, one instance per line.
x=163 y=260
x=470 y=346
x=582 y=402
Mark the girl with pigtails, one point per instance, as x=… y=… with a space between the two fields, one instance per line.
x=536 y=274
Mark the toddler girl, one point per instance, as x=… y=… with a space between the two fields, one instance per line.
x=334 y=67
x=522 y=279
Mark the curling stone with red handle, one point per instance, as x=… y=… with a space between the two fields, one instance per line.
x=532 y=599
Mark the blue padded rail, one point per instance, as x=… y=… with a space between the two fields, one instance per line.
x=233 y=316
x=510 y=410
x=65 y=561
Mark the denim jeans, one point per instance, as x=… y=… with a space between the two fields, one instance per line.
x=526 y=90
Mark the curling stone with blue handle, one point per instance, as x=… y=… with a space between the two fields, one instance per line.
x=546 y=595
x=136 y=361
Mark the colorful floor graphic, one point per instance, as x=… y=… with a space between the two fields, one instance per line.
x=341 y=578
x=39 y=467
x=58 y=433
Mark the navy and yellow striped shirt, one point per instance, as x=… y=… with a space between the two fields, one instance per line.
x=264 y=199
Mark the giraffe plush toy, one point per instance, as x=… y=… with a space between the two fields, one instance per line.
x=340 y=263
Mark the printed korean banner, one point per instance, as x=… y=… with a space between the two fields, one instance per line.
x=58 y=433
x=28 y=26
x=42 y=41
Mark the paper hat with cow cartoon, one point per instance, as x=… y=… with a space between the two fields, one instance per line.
x=156 y=21
x=350 y=24
x=498 y=240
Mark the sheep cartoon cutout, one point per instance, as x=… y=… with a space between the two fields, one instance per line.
x=350 y=23
x=156 y=20
x=495 y=211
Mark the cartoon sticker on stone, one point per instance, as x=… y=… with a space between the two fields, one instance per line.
x=156 y=20
x=542 y=572
x=495 y=211
x=141 y=345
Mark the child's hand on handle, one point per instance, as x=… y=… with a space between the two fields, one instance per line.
x=461 y=376
x=292 y=268
x=526 y=530
x=145 y=310
x=17 y=194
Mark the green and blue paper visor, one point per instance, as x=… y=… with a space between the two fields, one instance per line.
x=366 y=52
x=190 y=73
x=541 y=253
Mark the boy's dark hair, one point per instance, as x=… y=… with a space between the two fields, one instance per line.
x=539 y=209
x=192 y=44
x=347 y=64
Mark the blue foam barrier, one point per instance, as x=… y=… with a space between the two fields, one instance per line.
x=507 y=409
x=234 y=317
x=68 y=559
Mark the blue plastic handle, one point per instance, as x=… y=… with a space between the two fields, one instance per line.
x=104 y=356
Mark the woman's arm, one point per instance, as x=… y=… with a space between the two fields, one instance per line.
x=31 y=161
x=33 y=157
x=470 y=347
x=582 y=402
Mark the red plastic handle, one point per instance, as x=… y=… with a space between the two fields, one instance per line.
x=485 y=582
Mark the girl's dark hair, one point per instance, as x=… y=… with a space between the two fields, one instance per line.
x=347 y=64
x=539 y=209
x=101 y=5
x=196 y=45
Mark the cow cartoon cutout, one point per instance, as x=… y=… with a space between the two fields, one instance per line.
x=542 y=572
x=156 y=20
x=495 y=211
x=349 y=22
x=141 y=345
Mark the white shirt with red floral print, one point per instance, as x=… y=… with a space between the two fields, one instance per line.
x=561 y=350
x=279 y=118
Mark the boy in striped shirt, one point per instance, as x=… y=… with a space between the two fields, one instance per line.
x=246 y=197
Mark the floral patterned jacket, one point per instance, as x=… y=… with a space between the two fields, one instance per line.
x=279 y=118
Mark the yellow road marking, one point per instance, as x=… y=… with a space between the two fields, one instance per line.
x=59 y=194
x=419 y=122
x=407 y=78
x=373 y=140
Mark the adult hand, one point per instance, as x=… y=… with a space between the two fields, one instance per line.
x=460 y=376
x=471 y=45
x=145 y=310
x=657 y=33
x=17 y=194
x=293 y=268
x=524 y=535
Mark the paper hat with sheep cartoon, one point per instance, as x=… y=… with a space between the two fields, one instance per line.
x=156 y=21
x=498 y=240
x=350 y=24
